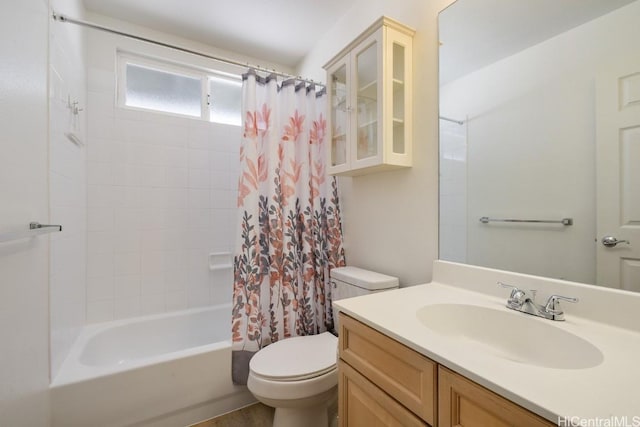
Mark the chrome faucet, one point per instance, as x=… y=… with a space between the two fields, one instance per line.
x=525 y=302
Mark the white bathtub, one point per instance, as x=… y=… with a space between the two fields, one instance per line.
x=171 y=369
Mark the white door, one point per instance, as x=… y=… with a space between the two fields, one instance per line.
x=618 y=176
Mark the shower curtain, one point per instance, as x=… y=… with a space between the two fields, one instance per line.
x=289 y=234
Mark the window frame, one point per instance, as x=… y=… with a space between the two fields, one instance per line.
x=162 y=65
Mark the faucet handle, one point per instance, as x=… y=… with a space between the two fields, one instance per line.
x=515 y=291
x=506 y=285
x=518 y=296
x=553 y=304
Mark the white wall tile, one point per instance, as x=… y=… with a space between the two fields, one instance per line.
x=100 y=265
x=126 y=197
x=100 y=196
x=198 y=295
x=177 y=157
x=152 y=262
x=198 y=159
x=199 y=199
x=127 y=218
x=176 y=280
x=126 y=241
x=200 y=218
x=126 y=263
x=99 y=311
x=199 y=138
x=100 y=242
x=126 y=286
x=100 y=219
x=100 y=288
x=126 y=307
x=176 y=301
x=152 y=304
x=152 y=283
x=199 y=178
x=219 y=161
x=177 y=177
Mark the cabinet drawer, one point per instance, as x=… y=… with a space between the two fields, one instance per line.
x=362 y=404
x=463 y=403
x=404 y=374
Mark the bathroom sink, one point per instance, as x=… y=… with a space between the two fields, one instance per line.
x=514 y=336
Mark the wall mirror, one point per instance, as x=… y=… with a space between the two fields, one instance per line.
x=540 y=138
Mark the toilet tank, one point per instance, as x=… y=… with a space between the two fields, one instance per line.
x=348 y=282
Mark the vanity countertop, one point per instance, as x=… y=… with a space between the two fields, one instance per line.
x=607 y=390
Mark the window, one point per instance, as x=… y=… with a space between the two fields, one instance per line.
x=225 y=100
x=162 y=91
x=158 y=86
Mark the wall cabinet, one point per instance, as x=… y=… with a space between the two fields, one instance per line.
x=370 y=103
x=383 y=382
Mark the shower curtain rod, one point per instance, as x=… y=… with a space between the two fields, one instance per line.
x=64 y=18
x=460 y=122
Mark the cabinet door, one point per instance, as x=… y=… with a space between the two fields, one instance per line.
x=367 y=116
x=405 y=375
x=338 y=89
x=362 y=404
x=398 y=100
x=463 y=403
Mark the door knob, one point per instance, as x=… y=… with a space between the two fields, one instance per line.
x=611 y=242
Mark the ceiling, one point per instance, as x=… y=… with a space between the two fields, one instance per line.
x=476 y=33
x=279 y=31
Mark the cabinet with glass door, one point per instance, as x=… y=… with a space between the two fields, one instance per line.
x=369 y=86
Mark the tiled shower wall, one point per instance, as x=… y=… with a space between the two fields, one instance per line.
x=453 y=191
x=161 y=198
x=67 y=182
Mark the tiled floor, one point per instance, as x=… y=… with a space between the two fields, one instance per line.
x=257 y=415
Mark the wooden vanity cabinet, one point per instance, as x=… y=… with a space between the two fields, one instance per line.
x=384 y=383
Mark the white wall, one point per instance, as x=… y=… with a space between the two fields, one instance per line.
x=24 y=304
x=531 y=147
x=391 y=219
x=67 y=181
x=162 y=193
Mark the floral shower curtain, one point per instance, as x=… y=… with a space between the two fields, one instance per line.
x=289 y=232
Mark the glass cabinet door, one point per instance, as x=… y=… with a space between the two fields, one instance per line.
x=398 y=101
x=367 y=102
x=339 y=115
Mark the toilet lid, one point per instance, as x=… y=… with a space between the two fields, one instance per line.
x=296 y=358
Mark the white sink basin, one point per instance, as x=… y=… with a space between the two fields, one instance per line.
x=511 y=335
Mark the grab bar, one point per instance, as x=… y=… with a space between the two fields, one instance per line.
x=563 y=221
x=35 y=229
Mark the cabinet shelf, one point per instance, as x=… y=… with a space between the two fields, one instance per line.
x=367 y=124
x=368 y=86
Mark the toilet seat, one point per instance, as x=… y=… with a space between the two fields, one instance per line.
x=296 y=359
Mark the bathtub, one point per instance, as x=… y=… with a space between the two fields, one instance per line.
x=171 y=369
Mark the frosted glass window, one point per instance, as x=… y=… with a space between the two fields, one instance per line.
x=163 y=91
x=225 y=101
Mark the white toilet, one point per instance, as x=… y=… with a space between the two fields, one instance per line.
x=299 y=376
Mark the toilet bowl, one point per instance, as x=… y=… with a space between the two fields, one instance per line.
x=299 y=376
x=302 y=387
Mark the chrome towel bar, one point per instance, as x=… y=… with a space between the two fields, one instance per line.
x=35 y=229
x=563 y=221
